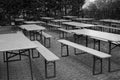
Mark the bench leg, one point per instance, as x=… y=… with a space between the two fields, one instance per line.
x=75 y=52
x=96 y=41
x=63 y=45
x=49 y=43
x=94 y=65
x=40 y=35
x=4 y=58
x=46 y=71
x=33 y=54
x=45 y=42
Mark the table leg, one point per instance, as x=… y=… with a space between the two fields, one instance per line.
x=7 y=66
x=30 y=64
x=86 y=41
x=109 y=62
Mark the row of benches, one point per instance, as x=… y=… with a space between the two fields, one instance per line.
x=51 y=57
x=97 y=55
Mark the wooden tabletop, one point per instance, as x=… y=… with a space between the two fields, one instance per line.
x=108 y=27
x=60 y=20
x=69 y=17
x=15 y=41
x=78 y=24
x=84 y=19
x=98 y=34
x=32 y=27
x=110 y=21
x=19 y=19
x=33 y=22
x=47 y=18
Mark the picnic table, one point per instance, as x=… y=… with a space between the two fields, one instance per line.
x=107 y=28
x=19 y=21
x=99 y=36
x=13 y=43
x=77 y=25
x=59 y=21
x=33 y=22
x=32 y=29
x=46 y=19
x=110 y=21
x=69 y=17
x=83 y=19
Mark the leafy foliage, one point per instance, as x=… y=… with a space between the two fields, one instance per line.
x=36 y=8
x=104 y=9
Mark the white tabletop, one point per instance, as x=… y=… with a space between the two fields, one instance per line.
x=60 y=20
x=19 y=19
x=33 y=22
x=47 y=18
x=15 y=41
x=110 y=20
x=70 y=17
x=108 y=27
x=98 y=34
x=84 y=19
x=32 y=27
x=78 y=24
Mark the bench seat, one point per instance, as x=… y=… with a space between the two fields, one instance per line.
x=46 y=37
x=48 y=55
x=97 y=55
x=86 y=49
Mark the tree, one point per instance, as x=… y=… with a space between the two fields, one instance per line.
x=106 y=9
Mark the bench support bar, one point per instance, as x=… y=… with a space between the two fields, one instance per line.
x=20 y=53
x=46 y=71
x=63 y=45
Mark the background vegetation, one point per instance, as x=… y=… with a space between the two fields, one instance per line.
x=104 y=9
x=33 y=9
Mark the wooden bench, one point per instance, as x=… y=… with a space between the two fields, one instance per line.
x=63 y=32
x=46 y=37
x=97 y=55
x=49 y=58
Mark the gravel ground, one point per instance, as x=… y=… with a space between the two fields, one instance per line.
x=73 y=67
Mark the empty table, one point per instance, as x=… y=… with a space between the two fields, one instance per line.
x=13 y=42
x=77 y=25
x=32 y=28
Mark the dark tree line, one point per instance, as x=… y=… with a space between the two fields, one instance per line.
x=104 y=9
x=37 y=8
